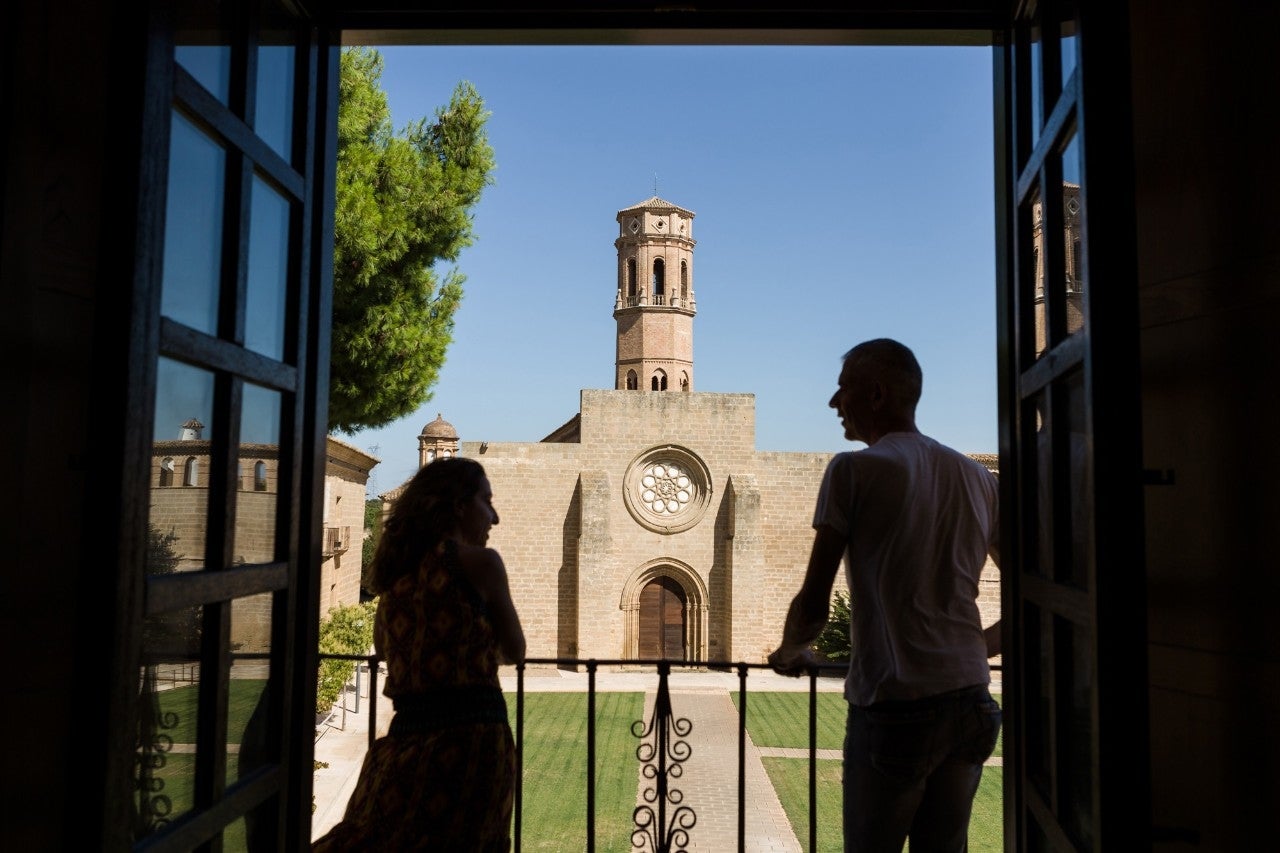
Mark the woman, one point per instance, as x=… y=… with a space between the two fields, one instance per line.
x=443 y=777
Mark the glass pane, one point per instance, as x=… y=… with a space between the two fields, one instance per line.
x=1075 y=731
x=203 y=45
x=1069 y=35
x=1037 y=80
x=179 y=468
x=193 y=228
x=1073 y=245
x=259 y=466
x=250 y=743
x=268 y=275
x=165 y=760
x=1081 y=481
x=273 y=119
x=1032 y=285
x=210 y=65
x=255 y=831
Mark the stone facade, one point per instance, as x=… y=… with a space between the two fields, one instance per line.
x=648 y=495
x=180 y=504
x=579 y=558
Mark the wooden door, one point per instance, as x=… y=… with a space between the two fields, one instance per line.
x=1075 y=683
x=231 y=289
x=662 y=620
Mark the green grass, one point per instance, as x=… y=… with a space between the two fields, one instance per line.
x=790 y=778
x=555 y=770
x=181 y=703
x=782 y=720
x=176 y=778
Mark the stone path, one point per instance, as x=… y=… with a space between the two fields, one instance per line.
x=709 y=782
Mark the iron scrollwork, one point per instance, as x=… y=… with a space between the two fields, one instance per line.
x=662 y=753
x=153 y=806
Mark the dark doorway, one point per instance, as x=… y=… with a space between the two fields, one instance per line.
x=662 y=620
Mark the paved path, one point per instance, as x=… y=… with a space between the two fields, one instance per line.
x=709 y=781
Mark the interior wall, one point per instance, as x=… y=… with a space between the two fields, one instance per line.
x=1204 y=91
x=53 y=161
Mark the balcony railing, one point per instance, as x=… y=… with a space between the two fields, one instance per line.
x=662 y=823
x=665 y=819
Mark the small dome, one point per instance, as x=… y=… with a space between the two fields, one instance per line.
x=439 y=428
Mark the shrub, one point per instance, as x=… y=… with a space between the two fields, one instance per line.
x=345 y=631
x=833 y=643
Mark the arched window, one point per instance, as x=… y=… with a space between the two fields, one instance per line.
x=659 y=281
x=658 y=382
x=259 y=476
x=684 y=282
x=631 y=281
x=633 y=381
x=191 y=471
x=166 y=472
x=684 y=382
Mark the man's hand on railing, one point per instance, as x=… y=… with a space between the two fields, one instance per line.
x=794 y=661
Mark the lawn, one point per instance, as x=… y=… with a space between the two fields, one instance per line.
x=176 y=777
x=782 y=720
x=555 y=775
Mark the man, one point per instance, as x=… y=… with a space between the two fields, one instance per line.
x=914 y=520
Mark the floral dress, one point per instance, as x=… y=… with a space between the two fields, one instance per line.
x=443 y=777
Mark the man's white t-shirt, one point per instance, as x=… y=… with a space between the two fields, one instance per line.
x=920 y=519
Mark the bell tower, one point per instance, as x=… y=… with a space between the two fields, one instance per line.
x=655 y=303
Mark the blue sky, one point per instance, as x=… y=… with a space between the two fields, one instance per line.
x=840 y=193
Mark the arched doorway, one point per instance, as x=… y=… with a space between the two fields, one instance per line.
x=665 y=610
x=663 y=620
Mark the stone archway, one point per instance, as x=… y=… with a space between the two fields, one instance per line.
x=665 y=606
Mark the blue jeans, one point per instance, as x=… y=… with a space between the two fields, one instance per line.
x=912 y=768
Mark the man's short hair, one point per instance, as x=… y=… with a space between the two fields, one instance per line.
x=892 y=362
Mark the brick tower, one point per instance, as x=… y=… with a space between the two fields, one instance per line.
x=655 y=302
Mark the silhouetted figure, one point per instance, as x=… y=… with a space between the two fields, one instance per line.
x=443 y=778
x=915 y=521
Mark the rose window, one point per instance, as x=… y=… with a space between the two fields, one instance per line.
x=665 y=488
x=668 y=489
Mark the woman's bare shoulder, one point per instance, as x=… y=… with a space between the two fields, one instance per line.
x=478 y=557
x=483 y=566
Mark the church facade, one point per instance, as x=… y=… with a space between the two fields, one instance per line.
x=649 y=525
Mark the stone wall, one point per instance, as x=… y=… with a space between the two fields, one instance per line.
x=578 y=554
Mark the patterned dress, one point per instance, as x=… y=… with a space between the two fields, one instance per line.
x=443 y=778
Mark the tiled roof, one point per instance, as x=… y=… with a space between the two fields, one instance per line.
x=991 y=461
x=655 y=203
x=439 y=428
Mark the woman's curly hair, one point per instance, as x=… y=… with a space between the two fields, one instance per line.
x=423 y=515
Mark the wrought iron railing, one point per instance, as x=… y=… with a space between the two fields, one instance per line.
x=663 y=820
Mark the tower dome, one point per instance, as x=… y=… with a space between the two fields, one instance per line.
x=438 y=440
x=439 y=428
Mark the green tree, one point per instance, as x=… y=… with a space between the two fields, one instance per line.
x=834 y=643
x=174 y=634
x=372 y=533
x=403 y=204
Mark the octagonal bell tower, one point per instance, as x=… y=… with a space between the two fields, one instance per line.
x=655 y=302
